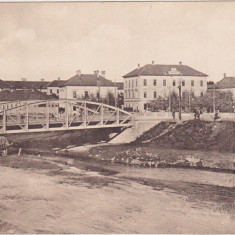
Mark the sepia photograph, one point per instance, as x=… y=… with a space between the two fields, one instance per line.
x=117 y=117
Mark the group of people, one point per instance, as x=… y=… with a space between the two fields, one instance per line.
x=197 y=114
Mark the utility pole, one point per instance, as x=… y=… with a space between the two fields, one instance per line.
x=179 y=100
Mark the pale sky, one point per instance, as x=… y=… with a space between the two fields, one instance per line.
x=51 y=40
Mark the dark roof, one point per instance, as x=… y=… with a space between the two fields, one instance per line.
x=27 y=84
x=56 y=83
x=3 y=84
x=120 y=85
x=28 y=94
x=88 y=80
x=227 y=82
x=164 y=70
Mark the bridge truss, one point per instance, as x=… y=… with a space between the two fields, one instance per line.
x=56 y=115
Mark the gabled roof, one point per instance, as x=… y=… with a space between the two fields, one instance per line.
x=4 y=85
x=227 y=82
x=56 y=83
x=28 y=94
x=88 y=80
x=27 y=84
x=164 y=70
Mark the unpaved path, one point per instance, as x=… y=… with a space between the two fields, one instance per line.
x=59 y=195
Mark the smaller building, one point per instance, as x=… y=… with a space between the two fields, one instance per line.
x=14 y=98
x=87 y=86
x=226 y=84
x=53 y=88
x=24 y=84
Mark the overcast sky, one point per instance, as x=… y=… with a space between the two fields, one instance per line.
x=50 y=40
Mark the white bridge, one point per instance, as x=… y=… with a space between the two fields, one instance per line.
x=56 y=115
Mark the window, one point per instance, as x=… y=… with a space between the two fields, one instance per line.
x=154 y=94
x=50 y=91
x=57 y=91
x=132 y=83
x=145 y=82
x=155 y=82
x=86 y=94
x=129 y=83
x=145 y=94
x=183 y=94
x=192 y=94
x=183 y=83
x=74 y=108
x=136 y=83
x=201 y=94
x=201 y=83
x=174 y=83
x=164 y=82
x=74 y=94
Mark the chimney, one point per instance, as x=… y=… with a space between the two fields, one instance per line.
x=58 y=78
x=96 y=72
x=42 y=79
x=224 y=75
x=103 y=74
x=180 y=63
x=79 y=72
x=138 y=65
x=153 y=62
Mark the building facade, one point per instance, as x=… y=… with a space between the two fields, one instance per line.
x=152 y=81
x=87 y=86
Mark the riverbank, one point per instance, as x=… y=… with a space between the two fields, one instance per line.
x=55 y=194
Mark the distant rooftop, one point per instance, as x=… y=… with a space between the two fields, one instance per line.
x=226 y=82
x=27 y=94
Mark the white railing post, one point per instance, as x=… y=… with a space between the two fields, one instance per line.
x=102 y=114
x=4 y=122
x=27 y=117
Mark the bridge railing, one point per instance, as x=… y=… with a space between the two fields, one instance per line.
x=61 y=115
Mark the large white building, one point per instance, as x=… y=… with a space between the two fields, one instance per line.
x=151 y=81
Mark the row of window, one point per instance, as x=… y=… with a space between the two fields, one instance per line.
x=131 y=83
x=173 y=83
x=129 y=94
x=75 y=95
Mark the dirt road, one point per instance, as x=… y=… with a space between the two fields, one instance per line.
x=61 y=195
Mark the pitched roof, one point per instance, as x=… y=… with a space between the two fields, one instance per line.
x=164 y=70
x=56 y=83
x=88 y=80
x=3 y=84
x=27 y=94
x=227 y=82
x=27 y=84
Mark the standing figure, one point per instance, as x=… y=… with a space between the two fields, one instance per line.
x=4 y=144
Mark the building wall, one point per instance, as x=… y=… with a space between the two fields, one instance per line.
x=53 y=90
x=141 y=90
x=75 y=92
